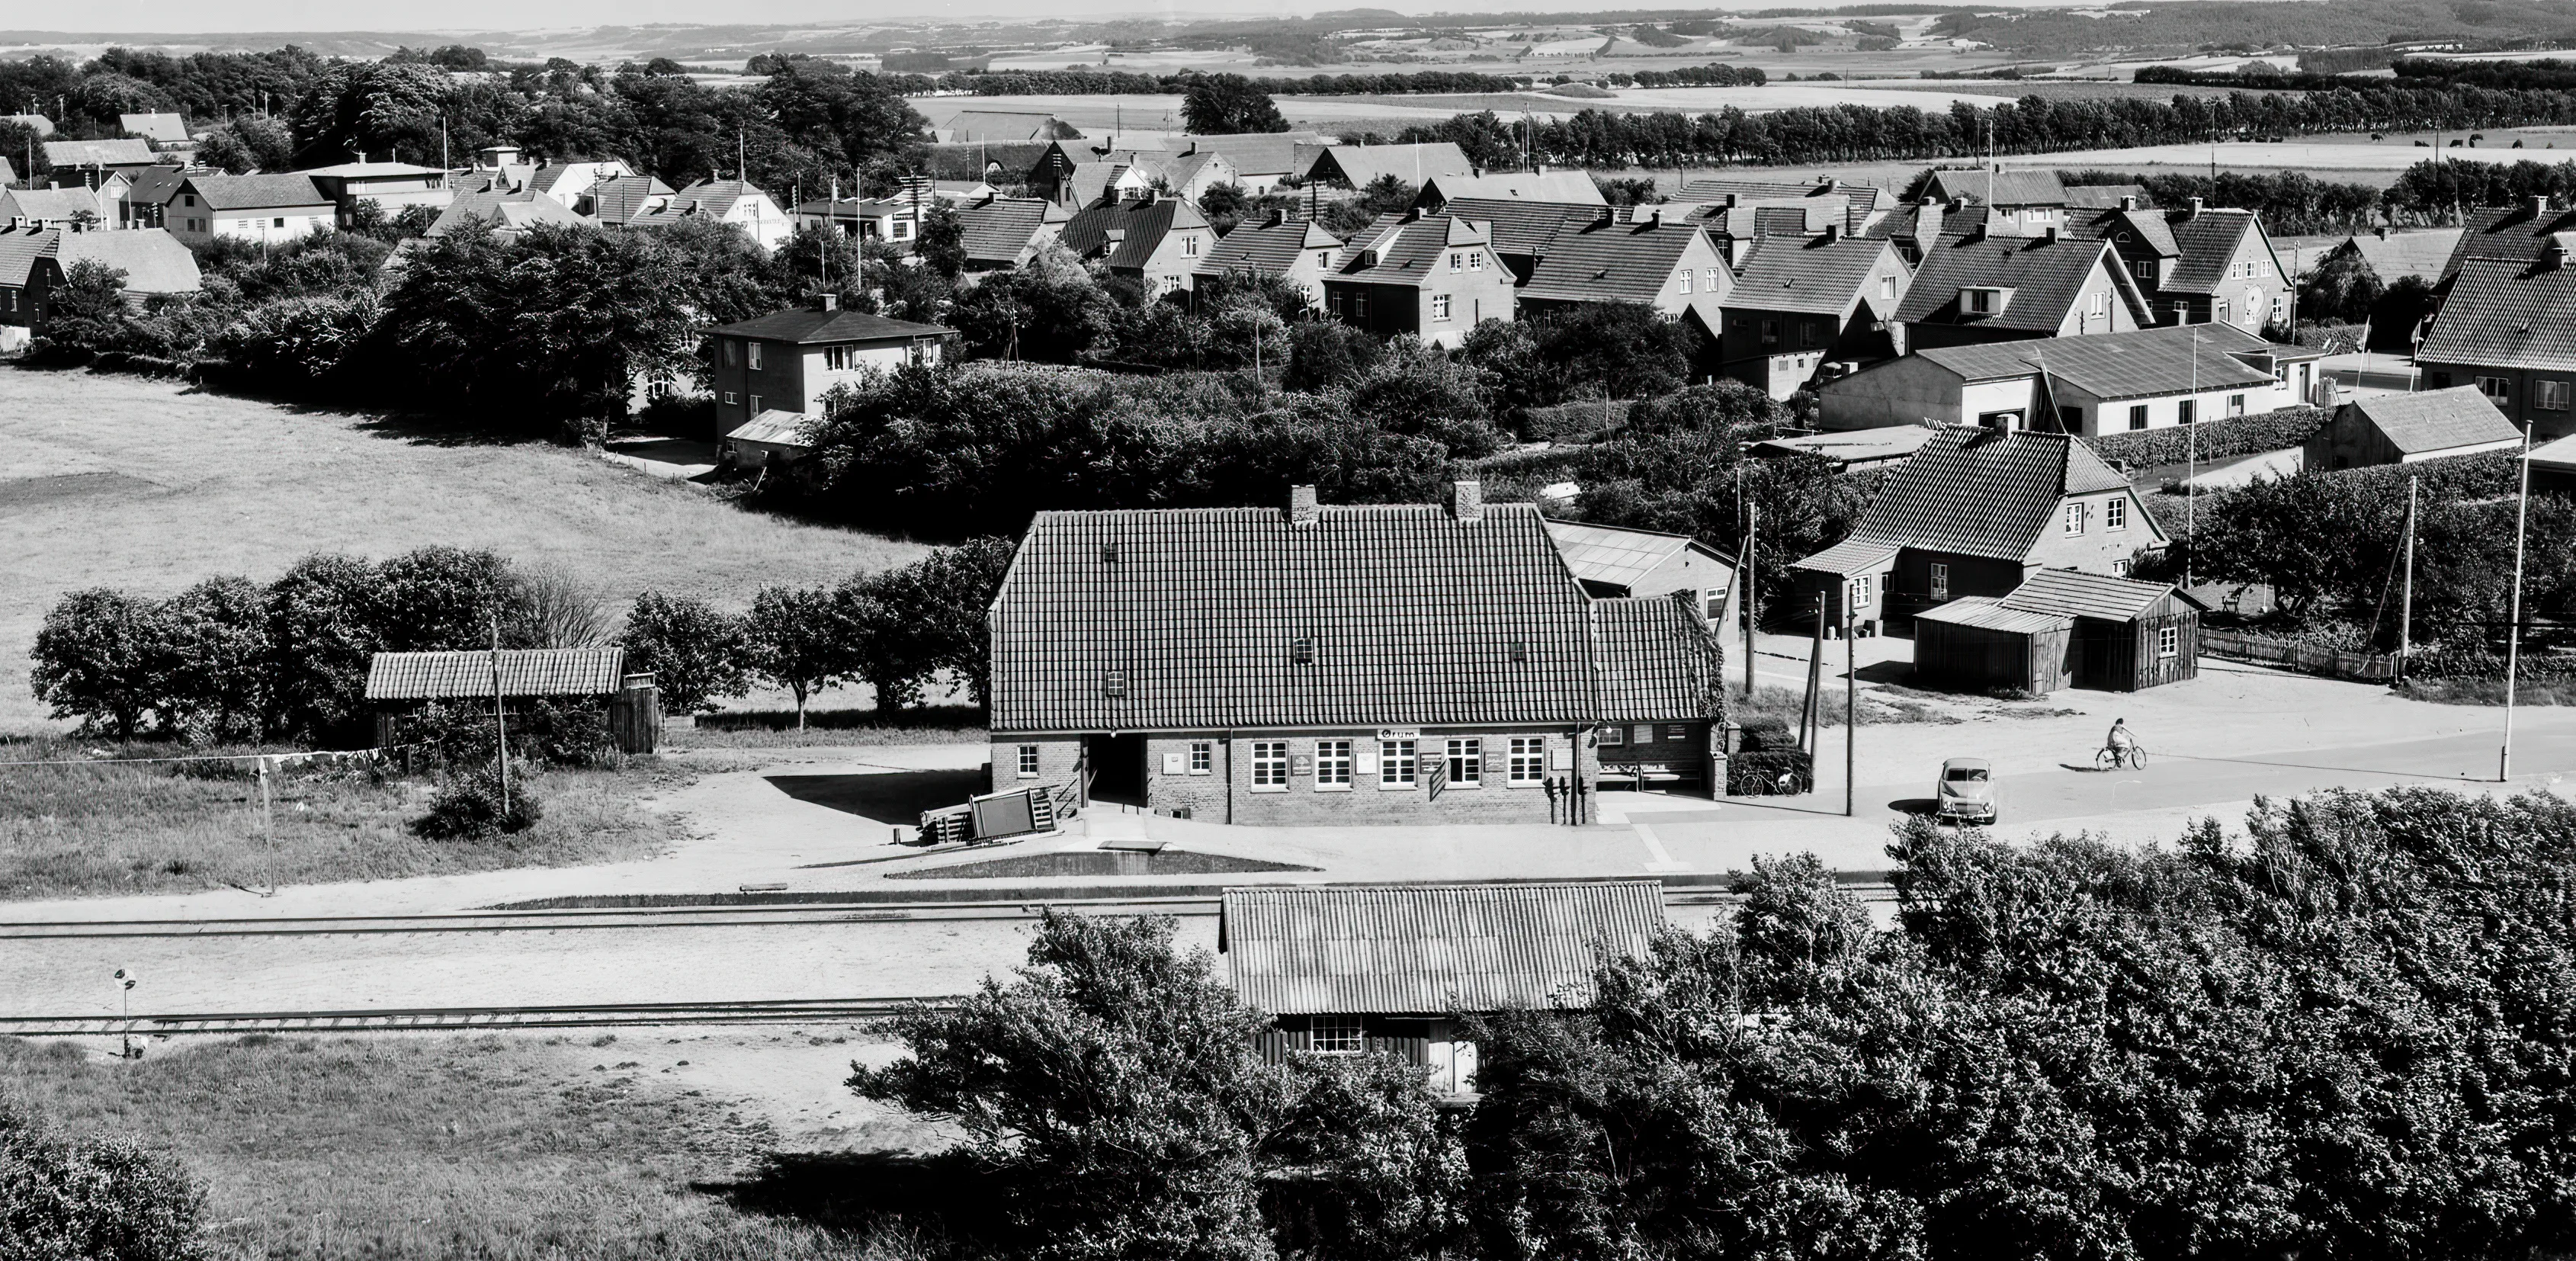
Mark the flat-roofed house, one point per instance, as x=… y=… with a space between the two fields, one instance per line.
x=2509 y=328
x=2409 y=429
x=1801 y=304
x=1434 y=952
x=390 y=186
x=34 y=262
x=787 y=360
x=1388 y=663
x=1975 y=512
x=270 y=208
x=2151 y=378
x=1982 y=287
x=1299 y=251
x=1433 y=276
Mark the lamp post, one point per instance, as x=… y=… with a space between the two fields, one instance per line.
x=125 y=979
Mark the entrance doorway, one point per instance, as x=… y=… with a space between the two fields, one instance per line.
x=1117 y=765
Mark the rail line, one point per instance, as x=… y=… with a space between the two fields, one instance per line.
x=455 y=1019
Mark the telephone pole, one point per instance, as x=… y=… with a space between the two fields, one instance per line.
x=500 y=729
x=2513 y=618
x=2406 y=601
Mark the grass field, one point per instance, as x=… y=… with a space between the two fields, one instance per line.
x=121 y=481
x=422 y=1147
x=116 y=828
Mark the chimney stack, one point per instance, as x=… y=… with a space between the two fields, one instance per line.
x=1301 y=506
x=2128 y=203
x=2539 y=206
x=2194 y=212
x=1278 y=215
x=2553 y=256
x=827 y=302
x=2049 y=234
x=1833 y=232
x=1467 y=502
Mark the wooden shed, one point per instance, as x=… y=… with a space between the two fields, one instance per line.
x=2129 y=636
x=1978 y=643
x=400 y=683
x=2410 y=428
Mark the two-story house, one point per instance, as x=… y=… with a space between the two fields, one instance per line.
x=2508 y=327
x=1299 y=251
x=1802 y=303
x=1154 y=239
x=2019 y=203
x=1981 y=288
x=1003 y=232
x=1523 y=232
x=1976 y=512
x=787 y=360
x=735 y=202
x=1666 y=264
x=269 y=208
x=1434 y=276
x=2225 y=273
x=390 y=186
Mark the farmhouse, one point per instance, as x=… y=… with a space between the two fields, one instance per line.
x=1802 y=303
x=787 y=360
x=2410 y=428
x=1350 y=969
x=1401 y=663
x=2062 y=628
x=2151 y=378
x=1976 y=512
x=270 y=208
x=400 y=684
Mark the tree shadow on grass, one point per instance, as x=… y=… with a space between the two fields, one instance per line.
x=946 y=1195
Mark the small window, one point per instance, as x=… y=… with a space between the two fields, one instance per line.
x=1614 y=735
x=902 y=229
x=1457 y=260
x=1332 y=764
x=732 y=352
x=756 y=408
x=1686 y=280
x=1190 y=245
x=1338 y=1035
x=2168 y=641
x=837 y=358
x=2187 y=412
x=281 y=221
x=1269 y=766
x=1028 y=761
x=1466 y=763
x=1887 y=286
x=1114 y=684
x=2549 y=396
x=2138 y=416
x=1395 y=763
x=731 y=398
x=2074 y=418
x=1811 y=333
x=751 y=351
x=1859 y=592
x=2101 y=304
x=2074 y=519
x=2235 y=404
x=1202 y=757
x=1528 y=764
x=1981 y=301
x=2499 y=390
x=1302 y=651
x=1440 y=306
x=1476 y=261
x=2115 y=514
x=1940 y=581
x=1770 y=332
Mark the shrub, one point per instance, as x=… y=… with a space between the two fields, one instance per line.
x=91 y=1199
x=1573 y=422
x=2214 y=440
x=546 y=732
x=1759 y=774
x=468 y=807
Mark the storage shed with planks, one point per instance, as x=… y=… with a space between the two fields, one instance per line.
x=1978 y=643
x=2063 y=628
x=401 y=683
x=1349 y=969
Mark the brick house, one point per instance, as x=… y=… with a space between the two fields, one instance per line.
x=1154 y=239
x=1976 y=512
x=1400 y=663
x=1801 y=303
x=2198 y=265
x=1983 y=287
x=1523 y=232
x=1433 y=276
x=1668 y=265
x=787 y=360
x=1299 y=251
x=2508 y=327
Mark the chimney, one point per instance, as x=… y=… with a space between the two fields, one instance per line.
x=1301 y=506
x=2128 y=203
x=1278 y=215
x=2553 y=256
x=1413 y=214
x=1467 y=502
x=2539 y=206
x=2050 y=235
x=362 y=157
x=1539 y=168
x=826 y=302
x=2382 y=230
x=2194 y=212
x=1730 y=201
x=1833 y=232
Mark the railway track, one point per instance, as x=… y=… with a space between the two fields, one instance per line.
x=466 y=1019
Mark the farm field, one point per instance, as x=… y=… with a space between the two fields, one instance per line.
x=122 y=481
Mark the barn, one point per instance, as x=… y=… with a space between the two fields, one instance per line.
x=1350 y=969
x=402 y=683
x=2063 y=628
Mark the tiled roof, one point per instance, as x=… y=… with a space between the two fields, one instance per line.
x=1414 y=618
x=623 y=198
x=1853 y=446
x=423 y=676
x=1609 y=554
x=2506 y=314
x=1524 y=228
x=1145 y=222
x=2511 y=232
x=502 y=210
x=50 y=204
x=1988 y=613
x=154 y=185
x=2103 y=196
x=160 y=128
x=775 y=427
x=1979 y=492
x=1808 y=275
x=1267 y=154
x=1859 y=200
x=1617 y=262
x=2010 y=188
x=2558 y=454
x=1569 y=188
x=809 y=327
x=153 y=260
x=715 y=197
x=970 y=161
x=2437 y=420
x=1431 y=949
x=998 y=231
x=1853 y=555
x=2208 y=241
x=2126 y=227
x=2069 y=593
x=71 y=153
x=1405 y=249
x=2045 y=276
x=1362 y=165
x=2139 y=363
x=2419 y=252
x=1267 y=248
x=257 y=192
x=1658 y=660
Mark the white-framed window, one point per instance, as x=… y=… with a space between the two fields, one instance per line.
x=1440 y=306
x=1337 y=1035
x=2549 y=395
x=751 y=352
x=1269 y=766
x=1457 y=260
x=2220 y=315
x=1395 y=764
x=1887 y=286
x=1528 y=764
x=1466 y=763
x=902 y=228
x=1857 y=598
x=2101 y=304
x=2235 y=404
x=2137 y=416
x=2168 y=641
x=1359 y=306
x=1190 y=245
x=1686 y=280
x=1614 y=736
x=2499 y=390
x=1476 y=260
x=1981 y=300
x=1332 y=765
x=756 y=408
x=1028 y=764
x=730 y=398
x=2115 y=514
x=1940 y=581
x=2075 y=518
x=2187 y=412
x=1202 y=756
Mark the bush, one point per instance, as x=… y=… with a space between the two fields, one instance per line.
x=2214 y=440
x=468 y=807
x=97 y=1200
x=546 y=732
x=1573 y=422
x=1759 y=774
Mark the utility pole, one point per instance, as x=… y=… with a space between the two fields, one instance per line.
x=1744 y=582
x=2191 y=463
x=1851 y=709
x=2513 y=619
x=2406 y=603
x=500 y=731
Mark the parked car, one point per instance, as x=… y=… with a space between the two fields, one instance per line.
x=1967 y=790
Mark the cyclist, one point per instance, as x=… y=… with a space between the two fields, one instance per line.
x=2122 y=745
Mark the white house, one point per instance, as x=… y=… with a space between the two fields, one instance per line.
x=2151 y=378
x=725 y=201
x=271 y=208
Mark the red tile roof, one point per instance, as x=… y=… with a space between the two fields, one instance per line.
x=1658 y=659
x=2046 y=276
x=2506 y=314
x=1616 y=262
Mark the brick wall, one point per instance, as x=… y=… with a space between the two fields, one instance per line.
x=1225 y=791
x=1057 y=758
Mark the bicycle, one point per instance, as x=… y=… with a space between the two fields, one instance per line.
x=2110 y=758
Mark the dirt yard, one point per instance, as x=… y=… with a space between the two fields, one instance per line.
x=121 y=481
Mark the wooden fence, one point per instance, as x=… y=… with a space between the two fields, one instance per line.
x=2368 y=667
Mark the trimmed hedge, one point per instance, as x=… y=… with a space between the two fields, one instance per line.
x=2216 y=439
x=2451 y=479
x=1577 y=421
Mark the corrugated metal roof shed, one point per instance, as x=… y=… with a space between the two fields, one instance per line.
x=1988 y=613
x=1431 y=948
x=775 y=427
x=428 y=676
x=2069 y=593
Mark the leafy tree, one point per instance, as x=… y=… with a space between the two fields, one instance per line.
x=1419 y=391
x=88 y=312
x=797 y=638
x=846 y=120
x=96 y=1199
x=322 y=619
x=942 y=241
x=94 y=660
x=249 y=143
x=2343 y=289
x=876 y=613
x=1052 y=311
x=696 y=653
x=1228 y=104
x=1325 y=353
x=211 y=663
x=442 y=598
x=930 y=616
